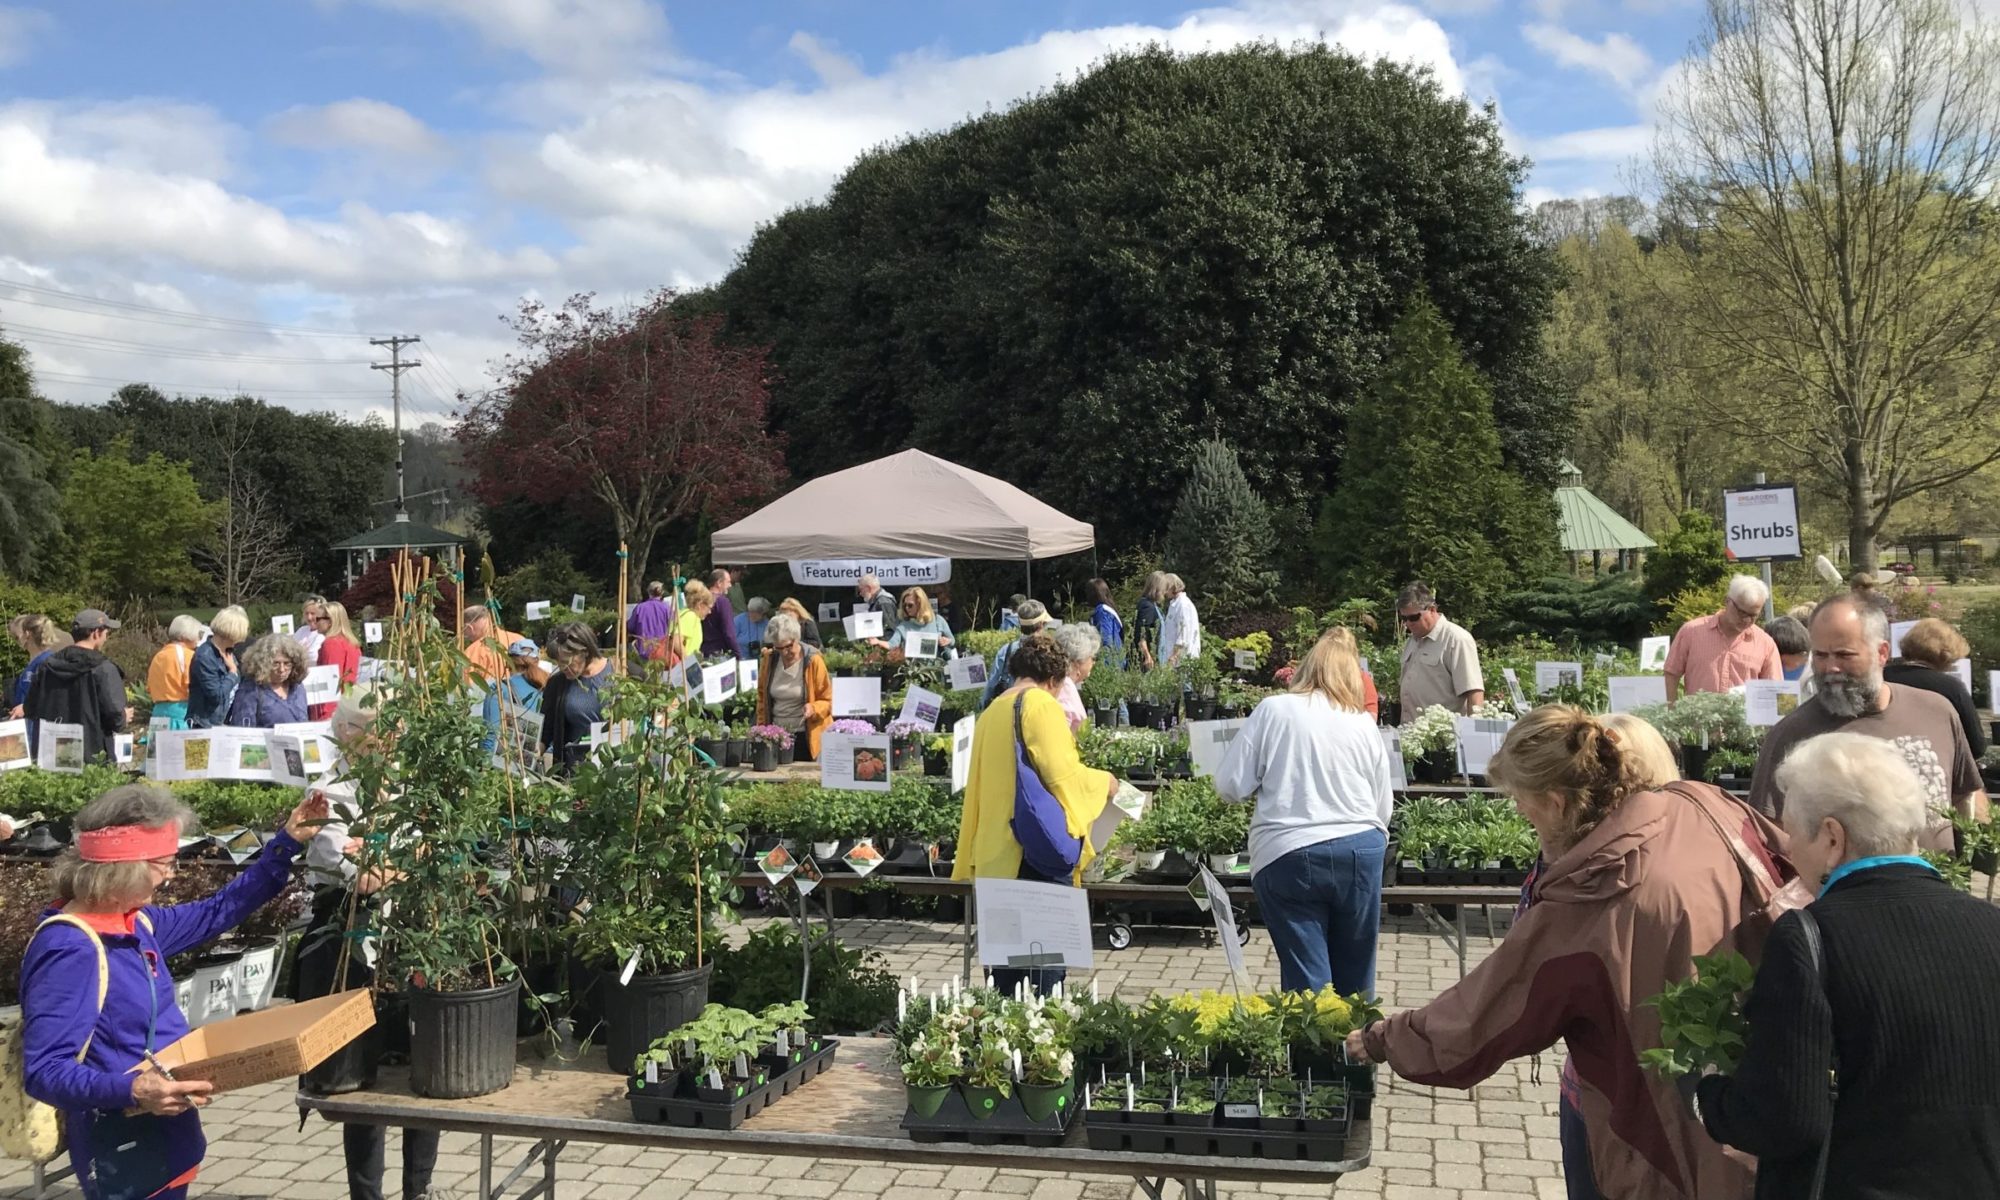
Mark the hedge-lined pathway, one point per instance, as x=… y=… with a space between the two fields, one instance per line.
x=1498 y=1141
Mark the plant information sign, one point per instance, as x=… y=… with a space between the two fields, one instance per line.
x=854 y=762
x=1761 y=523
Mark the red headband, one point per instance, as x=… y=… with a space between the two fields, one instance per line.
x=128 y=843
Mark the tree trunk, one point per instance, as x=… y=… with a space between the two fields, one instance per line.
x=1860 y=509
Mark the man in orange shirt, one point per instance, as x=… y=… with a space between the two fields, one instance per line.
x=486 y=645
x=1717 y=652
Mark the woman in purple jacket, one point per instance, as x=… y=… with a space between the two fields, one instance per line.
x=90 y=1062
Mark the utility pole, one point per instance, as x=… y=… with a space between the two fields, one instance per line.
x=396 y=366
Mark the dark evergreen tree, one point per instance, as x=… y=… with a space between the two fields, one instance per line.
x=1690 y=555
x=1424 y=493
x=1219 y=541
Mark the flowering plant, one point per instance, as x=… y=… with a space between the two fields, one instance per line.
x=1432 y=730
x=852 y=725
x=775 y=735
x=905 y=730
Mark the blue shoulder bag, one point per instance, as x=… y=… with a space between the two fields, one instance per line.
x=1040 y=825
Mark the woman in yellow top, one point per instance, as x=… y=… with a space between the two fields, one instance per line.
x=696 y=601
x=986 y=845
x=167 y=677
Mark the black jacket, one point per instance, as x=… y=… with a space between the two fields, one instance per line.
x=1911 y=998
x=77 y=686
x=1951 y=687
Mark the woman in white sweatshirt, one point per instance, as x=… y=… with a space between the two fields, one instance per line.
x=1319 y=773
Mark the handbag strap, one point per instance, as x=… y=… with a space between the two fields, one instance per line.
x=1816 y=951
x=103 y=969
x=1021 y=698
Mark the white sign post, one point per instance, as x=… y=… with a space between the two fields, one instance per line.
x=1637 y=691
x=857 y=696
x=1024 y=924
x=1208 y=744
x=854 y=762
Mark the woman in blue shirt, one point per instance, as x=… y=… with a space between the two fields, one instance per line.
x=1110 y=626
x=917 y=618
x=40 y=637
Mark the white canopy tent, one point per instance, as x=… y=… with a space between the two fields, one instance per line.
x=908 y=505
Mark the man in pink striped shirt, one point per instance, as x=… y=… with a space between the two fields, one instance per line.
x=1715 y=653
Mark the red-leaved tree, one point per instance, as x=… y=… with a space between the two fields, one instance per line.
x=646 y=411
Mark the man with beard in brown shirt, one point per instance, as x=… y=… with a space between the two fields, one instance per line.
x=1850 y=646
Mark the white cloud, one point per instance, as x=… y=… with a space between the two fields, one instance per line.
x=142 y=134
x=833 y=68
x=582 y=37
x=359 y=124
x=1611 y=144
x=63 y=201
x=702 y=165
x=19 y=27
x=1617 y=58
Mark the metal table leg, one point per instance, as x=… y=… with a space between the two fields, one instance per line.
x=1461 y=941
x=1191 y=1189
x=1453 y=935
x=485 y=1166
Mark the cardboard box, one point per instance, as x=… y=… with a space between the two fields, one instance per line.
x=277 y=1043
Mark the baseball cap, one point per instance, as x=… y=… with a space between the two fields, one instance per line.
x=93 y=618
x=523 y=646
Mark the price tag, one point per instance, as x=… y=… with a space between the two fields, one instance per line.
x=785 y=1036
x=715 y=1079
x=742 y=1067
x=631 y=969
x=652 y=1071
x=1234 y=1111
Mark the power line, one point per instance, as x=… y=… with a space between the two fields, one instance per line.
x=396 y=366
x=91 y=341
x=154 y=312
x=207 y=389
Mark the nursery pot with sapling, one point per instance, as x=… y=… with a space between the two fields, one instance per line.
x=659 y=864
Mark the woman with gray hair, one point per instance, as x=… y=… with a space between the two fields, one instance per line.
x=1890 y=981
x=1180 y=630
x=340 y=888
x=1080 y=645
x=273 y=691
x=97 y=1000
x=167 y=676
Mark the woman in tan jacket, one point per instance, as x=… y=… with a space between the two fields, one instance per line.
x=1639 y=880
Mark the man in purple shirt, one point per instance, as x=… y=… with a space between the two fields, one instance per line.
x=650 y=622
x=718 y=628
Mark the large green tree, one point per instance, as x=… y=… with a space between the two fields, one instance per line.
x=1425 y=494
x=132 y=522
x=1220 y=538
x=29 y=529
x=1074 y=292
x=319 y=476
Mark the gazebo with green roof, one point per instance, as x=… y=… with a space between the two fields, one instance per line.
x=1590 y=526
x=402 y=533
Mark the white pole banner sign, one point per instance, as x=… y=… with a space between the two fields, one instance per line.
x=1761 y=524
x=889 y=572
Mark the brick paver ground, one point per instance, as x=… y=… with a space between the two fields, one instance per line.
x=1499 y=1141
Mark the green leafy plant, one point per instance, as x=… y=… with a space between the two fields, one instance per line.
x=652 y=840
x=1701 y=1019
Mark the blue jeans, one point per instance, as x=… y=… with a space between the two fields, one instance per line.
x=1578 y=1182
x=1323 y=906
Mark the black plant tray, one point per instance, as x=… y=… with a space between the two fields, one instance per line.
x=1008 y=1126
x=1278 y=1145
x=659 y=1108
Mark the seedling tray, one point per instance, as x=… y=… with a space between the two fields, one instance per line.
x=656 y=1107
x=1279 y=1138
x=1008 y=1126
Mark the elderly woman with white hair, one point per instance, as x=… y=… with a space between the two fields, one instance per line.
x=167 y=676
x=96 y=997
x=213 y=676
x=1080 y=644
x=1890 y=982
x=273 y=690
x=1180 y=628
x=341 y=890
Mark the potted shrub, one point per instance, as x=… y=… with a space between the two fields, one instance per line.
x=937 y=755
x=1200 y=678
x=652 y=852
x=422 y=780
x=1101 y=692
x=766 y=742
x=707 y=733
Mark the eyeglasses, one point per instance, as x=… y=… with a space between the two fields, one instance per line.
x=170 y=865
x=1411 y=618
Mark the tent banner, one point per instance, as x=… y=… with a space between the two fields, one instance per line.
x=889 y=572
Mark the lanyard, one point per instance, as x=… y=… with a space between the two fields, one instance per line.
x=1868 y=864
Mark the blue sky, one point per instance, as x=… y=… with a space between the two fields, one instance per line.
x=373 y=166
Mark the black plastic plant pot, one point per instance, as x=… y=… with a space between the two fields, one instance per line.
x=937 y=765
x=462 y=1043
x=1986 y=862
x=713 y=747
x=650 y=1007
x=787 y=753
x=764 y=757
